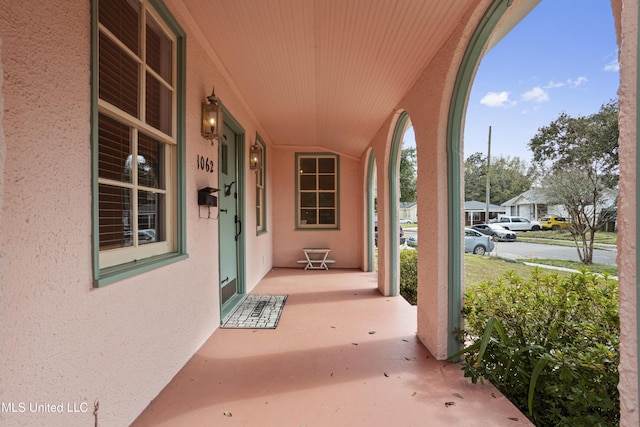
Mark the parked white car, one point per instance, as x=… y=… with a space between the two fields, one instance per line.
x=518 y=223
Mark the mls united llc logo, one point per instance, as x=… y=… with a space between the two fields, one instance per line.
x=33 y=407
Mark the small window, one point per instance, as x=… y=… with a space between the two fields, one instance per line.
x=261 y=192
x=317 y=190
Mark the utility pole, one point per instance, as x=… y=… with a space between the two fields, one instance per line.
x=486 y=212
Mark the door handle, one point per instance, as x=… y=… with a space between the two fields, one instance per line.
x=238 y=222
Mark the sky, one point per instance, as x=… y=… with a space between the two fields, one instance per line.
x=562 y=57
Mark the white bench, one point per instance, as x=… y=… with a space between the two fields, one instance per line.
x=316 y=258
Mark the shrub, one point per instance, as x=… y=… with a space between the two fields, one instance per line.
x=409 y=275
x=549 y=344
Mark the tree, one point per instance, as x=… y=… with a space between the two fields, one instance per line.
x=408 y=175
x=579 y=158
x=584 y=196
x=509 y=177
x=590 y=142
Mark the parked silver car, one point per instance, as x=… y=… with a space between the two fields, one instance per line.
x=498 y=232
x=476 y=242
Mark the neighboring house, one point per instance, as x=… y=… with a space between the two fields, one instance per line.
x=131 y=226
x=409 y=210
x=475 y=212
x=532 y=204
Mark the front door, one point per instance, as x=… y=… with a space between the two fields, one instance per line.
x=229 y=222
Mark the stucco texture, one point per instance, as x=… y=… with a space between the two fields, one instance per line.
x=345 y=243
x=62 y=340
x=626 y=14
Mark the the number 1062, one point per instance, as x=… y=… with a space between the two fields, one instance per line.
x=205 y=164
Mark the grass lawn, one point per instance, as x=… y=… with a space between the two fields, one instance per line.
x=600 y=237
x=611 y=270
x=480 y=268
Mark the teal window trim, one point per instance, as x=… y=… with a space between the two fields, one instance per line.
x=105 y=276
x=461 y=89
x=335 y=226
x=263 y=174
x=394 y=230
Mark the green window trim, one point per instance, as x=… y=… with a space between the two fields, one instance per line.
x=261 y=187
x=336 y=190
x=105 y=276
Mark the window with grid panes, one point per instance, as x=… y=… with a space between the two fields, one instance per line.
x=261 y=192
x=137 y=141
x=317 y=190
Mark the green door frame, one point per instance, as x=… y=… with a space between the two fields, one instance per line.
x=235 y=126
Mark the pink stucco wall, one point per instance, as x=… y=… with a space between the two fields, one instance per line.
x=427 y=104
x=626 y=13
x=345 y=243
x=61 y=340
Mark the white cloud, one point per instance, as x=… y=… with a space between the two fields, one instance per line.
x=613 y=66
x=553 y=85
x=496 y=99
x=577 y=82
x=537 y=94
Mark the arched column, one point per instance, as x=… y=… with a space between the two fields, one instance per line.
x=370 y=195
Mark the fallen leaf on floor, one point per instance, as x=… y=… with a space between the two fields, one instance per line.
x=447 y=404
x=513 y=419
x=372 y=332
x=333 y=327
x=405 y=340
x=331 y=373
x=413 y=394
x=227 y=414
x=386 y=375
x=354 y=343
x=458 y=395
x=407 y=358
x=494 y=395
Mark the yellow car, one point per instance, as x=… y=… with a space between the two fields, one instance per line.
x=554 y=223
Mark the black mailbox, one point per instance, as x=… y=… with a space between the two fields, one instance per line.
x=206 y=197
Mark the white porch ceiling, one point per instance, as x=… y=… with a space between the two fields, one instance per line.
x=325 y=73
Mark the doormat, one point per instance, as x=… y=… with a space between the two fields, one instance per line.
x=257 y=312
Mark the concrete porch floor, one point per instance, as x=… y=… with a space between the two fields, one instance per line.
x=342 y=355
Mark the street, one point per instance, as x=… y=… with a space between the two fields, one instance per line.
x=520 y=250
x=515 y=250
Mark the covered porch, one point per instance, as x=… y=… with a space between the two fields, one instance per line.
x=342 y=354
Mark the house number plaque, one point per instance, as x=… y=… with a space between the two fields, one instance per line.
x=205 y=164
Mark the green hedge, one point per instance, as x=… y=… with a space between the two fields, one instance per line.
x=409 y=275
x=549 y=344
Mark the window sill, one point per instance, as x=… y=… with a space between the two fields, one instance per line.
x=120 y=272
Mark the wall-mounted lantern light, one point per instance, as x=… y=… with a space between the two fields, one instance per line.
x=212 y=120
x=255 y=157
